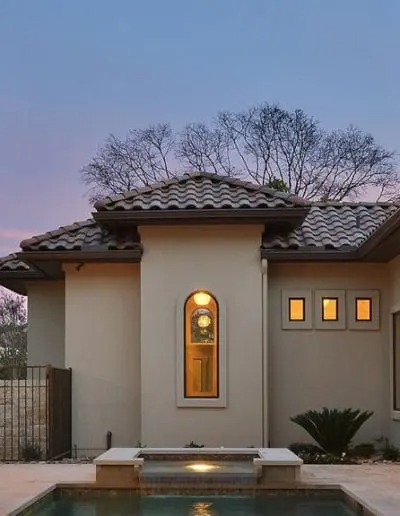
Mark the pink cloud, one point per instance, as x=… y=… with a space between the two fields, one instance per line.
x=11 y=237
x=16 y=233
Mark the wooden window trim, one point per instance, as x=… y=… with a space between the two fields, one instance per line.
x=188 y=312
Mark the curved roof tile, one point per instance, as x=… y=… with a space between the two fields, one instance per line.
x=200 y=190
x=334 y=226
x=11 y=263
x=81 y=236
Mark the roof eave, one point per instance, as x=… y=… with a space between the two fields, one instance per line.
x=309 y=255
x=379 y=247
x=16 y=280
x=382 y=244
x=110 y=255
x=296 y=215
x=20 y=274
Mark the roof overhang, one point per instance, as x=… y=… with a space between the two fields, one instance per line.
x=109 y=255
x=382 y=246
x=309 y=255
x=47 y=265
x=16 y=280
x=50 y=262
x=293 y=217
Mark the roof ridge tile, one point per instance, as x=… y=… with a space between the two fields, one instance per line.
x=198 y=184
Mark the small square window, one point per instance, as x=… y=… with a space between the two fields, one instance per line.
x=363 y=309
x=330 y=310
x=297 y=310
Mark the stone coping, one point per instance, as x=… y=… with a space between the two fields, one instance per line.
x=85 y=488
x=120 y=457
x=277 y=457
x=262 y=456
x=375 y=486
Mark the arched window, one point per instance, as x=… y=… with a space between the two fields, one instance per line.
x=201 y=346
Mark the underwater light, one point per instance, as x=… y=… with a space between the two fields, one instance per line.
x=201 y=467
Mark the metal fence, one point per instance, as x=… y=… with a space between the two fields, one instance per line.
x=35 y=413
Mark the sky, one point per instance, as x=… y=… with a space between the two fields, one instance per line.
x=72 y=72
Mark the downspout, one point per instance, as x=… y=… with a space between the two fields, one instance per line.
x=265 y=390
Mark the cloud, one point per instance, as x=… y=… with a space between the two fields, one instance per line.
x=15 y=233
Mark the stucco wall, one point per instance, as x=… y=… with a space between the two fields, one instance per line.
x=394 y=433
x=226 y=262
x=103 y=349
x=46 y=323
x=338 y=368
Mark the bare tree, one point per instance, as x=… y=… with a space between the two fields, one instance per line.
x=272 y=143
x=205 y=149
x=140 y=159
x=267 y=144
x=12 y=330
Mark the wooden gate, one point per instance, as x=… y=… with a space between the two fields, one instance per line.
x=59 y=422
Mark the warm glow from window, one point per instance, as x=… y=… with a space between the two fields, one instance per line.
x=296 y=309
x=363 y=309
x=201 y=346
x=202 y=298
x=200 y=467
x=329 y=308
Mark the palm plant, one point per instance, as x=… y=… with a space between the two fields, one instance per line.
x=332 y=429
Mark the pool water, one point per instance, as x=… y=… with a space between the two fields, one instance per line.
x=124 y=504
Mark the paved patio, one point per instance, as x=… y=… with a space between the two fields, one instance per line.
x=376 y=485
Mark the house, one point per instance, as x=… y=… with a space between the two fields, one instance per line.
x=210 y=309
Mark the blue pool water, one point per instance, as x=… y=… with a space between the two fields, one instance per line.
x=122 y=504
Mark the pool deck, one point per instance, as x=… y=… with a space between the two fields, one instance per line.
x=376 y=485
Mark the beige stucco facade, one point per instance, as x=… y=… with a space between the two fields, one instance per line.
x=102 y=346
x=119 y=326
x=46 y=323
x=224 y=261
x=312 y=368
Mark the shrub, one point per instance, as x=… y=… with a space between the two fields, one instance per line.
x=31 y=451
x=387 y=451
x=192 y=444
x=324 y=458
x=390 y=452
x=139 y=444
x=311 y=454
x=363 y=450
x=304 y=448
x=332 y=429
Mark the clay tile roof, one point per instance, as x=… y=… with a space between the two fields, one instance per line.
x=199 y=190
x=81 y=236
x=11 y=263
x=334 y=226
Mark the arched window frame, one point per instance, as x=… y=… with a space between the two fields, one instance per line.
x=220 y=399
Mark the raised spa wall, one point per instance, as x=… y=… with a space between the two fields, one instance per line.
x=268 y=467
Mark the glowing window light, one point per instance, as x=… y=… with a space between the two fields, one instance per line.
x=204 y=321
x=202 y=298
x=363 y=309
x=297 y=309
x=330 y=309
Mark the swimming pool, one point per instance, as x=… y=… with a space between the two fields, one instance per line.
x=277 y=503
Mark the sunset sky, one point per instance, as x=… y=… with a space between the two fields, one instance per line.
x=73 y=71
